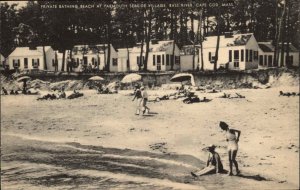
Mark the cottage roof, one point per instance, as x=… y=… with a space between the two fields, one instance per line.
x=268 y=47
x=26 y=51
x=154 y=47
x=90 y=49
x=233 y=40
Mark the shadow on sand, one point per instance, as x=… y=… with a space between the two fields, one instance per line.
x=254 y=177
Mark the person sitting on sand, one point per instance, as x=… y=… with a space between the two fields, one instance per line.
x=181 y=90
x=213 y=165
x=232 y=137
x=4 y=91
x=138 y=96
x=62 y=93
x=75 y=94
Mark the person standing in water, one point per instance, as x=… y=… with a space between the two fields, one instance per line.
x=138 y=96
x=232 y=138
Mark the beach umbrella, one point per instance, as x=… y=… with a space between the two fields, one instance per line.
x=24 y=79
x=130 y=78
x=183 y=77
x=96 y=78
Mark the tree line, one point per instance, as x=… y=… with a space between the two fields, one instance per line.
x=32 y=25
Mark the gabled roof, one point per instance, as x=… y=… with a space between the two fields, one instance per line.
x=26 y=51
x=233 y=40
x=154 y=47
x=266 y=46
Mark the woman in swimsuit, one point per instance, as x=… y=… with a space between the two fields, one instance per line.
x=232 y=138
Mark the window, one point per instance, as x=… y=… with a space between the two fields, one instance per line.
x=158 y=58
x=77 y=62
x=255 y=55
x=211 y=57
x=53 y=62
x=172 y=59
x=93 y=61
x=35 y=63
x=153 y=60
x=230 y=55
x=265 y=60
x=16 y=63
x=115 y=61
x=270 y=57
x=250 y=55
x=247 y=55
x=261 y=60
x=168 y=60
x=236 y=55
x=177 y=60
x=242 y=55
x=163 y=59
x=25 y=63
x=138 y=60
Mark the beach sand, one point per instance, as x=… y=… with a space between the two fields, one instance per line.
x=165 y=144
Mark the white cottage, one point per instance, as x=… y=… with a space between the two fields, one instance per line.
x=24 y=58
x=159 y=58
x=123 y=59
x=186 y=58
x=266 y=55
x=236 y=52
x=95 y=56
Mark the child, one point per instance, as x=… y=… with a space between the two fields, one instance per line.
x=214 y=164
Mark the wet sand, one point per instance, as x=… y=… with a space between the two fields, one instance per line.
x=173 y=133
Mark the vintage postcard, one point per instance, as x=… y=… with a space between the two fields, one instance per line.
x=166 y=94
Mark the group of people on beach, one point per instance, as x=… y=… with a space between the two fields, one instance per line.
x=214 y=163
x=141 y=96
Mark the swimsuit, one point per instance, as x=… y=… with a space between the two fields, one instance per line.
x=231 y=139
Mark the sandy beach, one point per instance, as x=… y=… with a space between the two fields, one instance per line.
x=48 y=144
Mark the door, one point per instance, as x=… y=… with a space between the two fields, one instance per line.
x=158 y=65
x=85 y=60
x=25 y=63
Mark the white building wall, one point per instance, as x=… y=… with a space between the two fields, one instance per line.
x=133 y=61
x=252 y=45
x=50 y=55
x=122 y=60
x=21 y=58
x=113 y=55
x=186 y=62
